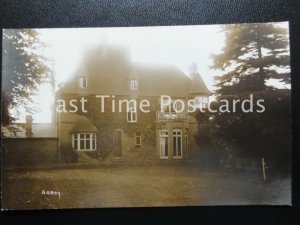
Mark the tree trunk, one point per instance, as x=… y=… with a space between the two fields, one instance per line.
x=261 y=75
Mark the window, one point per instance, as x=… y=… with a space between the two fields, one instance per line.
x=164 y=154
x=84 y=141
x=177 y=143
x=174 y=107
x=170 y=111
x=83 y=82
x=133 y=85
x=131 y=114
x=201 y=101
x=138 y=139
x=169 y=108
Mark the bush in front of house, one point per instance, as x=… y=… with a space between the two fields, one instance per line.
x=68 y=154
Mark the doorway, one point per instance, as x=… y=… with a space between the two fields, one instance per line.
x=117 y=145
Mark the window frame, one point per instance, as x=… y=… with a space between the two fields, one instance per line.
x=164 y=133
x=83 y=82
x=176 y=136
x=201 y=101
x=131 y=114
x=170 y=112
x=138 y=137
x=133 y=84
x=91 y=140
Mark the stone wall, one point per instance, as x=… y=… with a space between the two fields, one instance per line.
x=28 y=151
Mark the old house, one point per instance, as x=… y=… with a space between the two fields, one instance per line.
x=114 y=131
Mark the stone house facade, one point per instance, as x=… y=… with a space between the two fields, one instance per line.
x=106 y=129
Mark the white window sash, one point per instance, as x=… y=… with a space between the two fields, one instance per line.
x=83 y=82
x=201 y=101
x=131 y=115
x=164 y=137
x=177 y=135
x=133 y=85
x=91 y=140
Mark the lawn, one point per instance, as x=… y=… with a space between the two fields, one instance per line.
x=138 y=186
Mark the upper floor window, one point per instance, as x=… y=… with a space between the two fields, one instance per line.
x=173 y=107
x=131 y=114
x=83 y=82
x=201 y=101
x=133 y=85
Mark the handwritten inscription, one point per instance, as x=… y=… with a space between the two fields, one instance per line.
x=53 y=193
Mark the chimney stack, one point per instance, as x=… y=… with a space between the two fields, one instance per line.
x=193 y=70
x=28 y=126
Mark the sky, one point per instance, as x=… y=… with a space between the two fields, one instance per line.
x=177 y=45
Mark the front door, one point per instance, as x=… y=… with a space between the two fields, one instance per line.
x=117 y=150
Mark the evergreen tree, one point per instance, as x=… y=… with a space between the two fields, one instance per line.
x=253 y=54
x=23 y=69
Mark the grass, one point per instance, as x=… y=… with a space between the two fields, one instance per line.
x=139 y=186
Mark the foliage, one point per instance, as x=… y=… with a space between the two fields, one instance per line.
x=107 y=122
x=67 y=154
x=253 y=53
x=23 y=69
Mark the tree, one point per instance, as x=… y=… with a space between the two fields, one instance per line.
x=253 y=54
x=23 y=69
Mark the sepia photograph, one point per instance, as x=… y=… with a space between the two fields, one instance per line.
x=160 y=116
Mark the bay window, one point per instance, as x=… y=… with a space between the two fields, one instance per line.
x=84 y=141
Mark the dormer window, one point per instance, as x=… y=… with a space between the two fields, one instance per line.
x=133 y=85
x=83 y=82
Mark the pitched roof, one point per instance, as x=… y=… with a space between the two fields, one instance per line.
x=109 y=73
x=84 y=125
x=80 y=123
x=198 y=86
x=156 y=80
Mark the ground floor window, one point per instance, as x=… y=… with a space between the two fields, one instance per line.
x=177 y=143
x=164 y=144
x=138 y=139
x=84 y=141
